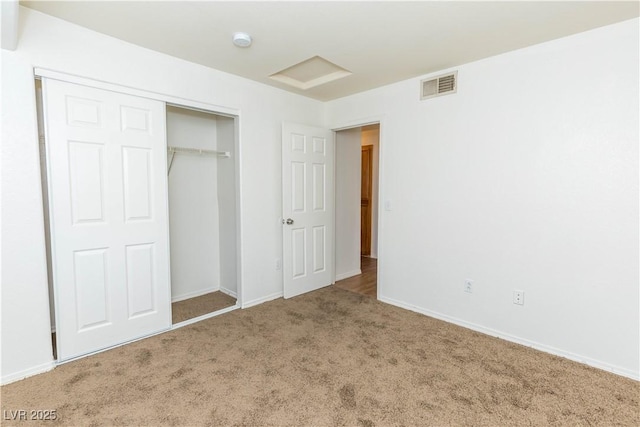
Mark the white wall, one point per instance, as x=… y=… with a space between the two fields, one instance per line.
x=348 y=167
x=527 y=179
x=193 y=205
x=371 y=136
x=55 y=44
x=9 y=24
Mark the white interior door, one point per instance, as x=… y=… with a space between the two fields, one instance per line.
x=307 y=199
x=106 y=157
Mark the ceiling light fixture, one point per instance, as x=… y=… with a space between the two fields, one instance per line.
x=242 y=39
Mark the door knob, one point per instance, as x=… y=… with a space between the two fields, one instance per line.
x=289 y=221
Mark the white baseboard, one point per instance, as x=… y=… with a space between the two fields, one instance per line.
x=522 y=341
x=39 y=369
x=348 y=274
x=263 y=299
x=176 y=298
x=229 y=292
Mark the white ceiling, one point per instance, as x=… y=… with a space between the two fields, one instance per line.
x=380 y=42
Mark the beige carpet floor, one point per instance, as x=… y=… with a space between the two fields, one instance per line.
x=204 y=304
x=328 y=358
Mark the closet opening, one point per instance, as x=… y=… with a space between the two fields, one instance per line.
x=188 y=268
x=201 y=168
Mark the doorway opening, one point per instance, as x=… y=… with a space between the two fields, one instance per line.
x=357 y=165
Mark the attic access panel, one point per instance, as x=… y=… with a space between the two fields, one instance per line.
x=310 y=73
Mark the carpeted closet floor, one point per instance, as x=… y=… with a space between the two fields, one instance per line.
x=330 y=357
x=198 y=306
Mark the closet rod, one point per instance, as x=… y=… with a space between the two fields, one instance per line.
x=198 y=151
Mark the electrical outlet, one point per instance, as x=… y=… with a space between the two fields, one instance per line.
x=518 y=297
x=468 y=285
x=278 y=264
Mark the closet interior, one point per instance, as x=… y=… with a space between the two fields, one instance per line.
x=202 y=212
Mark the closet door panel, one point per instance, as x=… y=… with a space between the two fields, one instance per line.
x=137 y=183
x=86 y=171
x=90 y=283
x=135 y=119
x=140 y=280
x=106 y=156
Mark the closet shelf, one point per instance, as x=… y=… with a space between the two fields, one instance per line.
x=198 y=151
x=194 y=151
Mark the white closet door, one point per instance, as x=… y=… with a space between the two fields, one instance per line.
x=106 y=156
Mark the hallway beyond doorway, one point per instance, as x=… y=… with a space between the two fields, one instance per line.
x=365 y=283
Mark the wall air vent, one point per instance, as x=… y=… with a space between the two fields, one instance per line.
x=441 y=85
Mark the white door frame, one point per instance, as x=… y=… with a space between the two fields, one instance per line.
x=365 y=121
x=182 y=103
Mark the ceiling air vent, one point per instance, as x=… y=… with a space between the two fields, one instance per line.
x=441 y=85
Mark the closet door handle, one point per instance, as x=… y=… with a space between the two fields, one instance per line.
x=289 y=221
